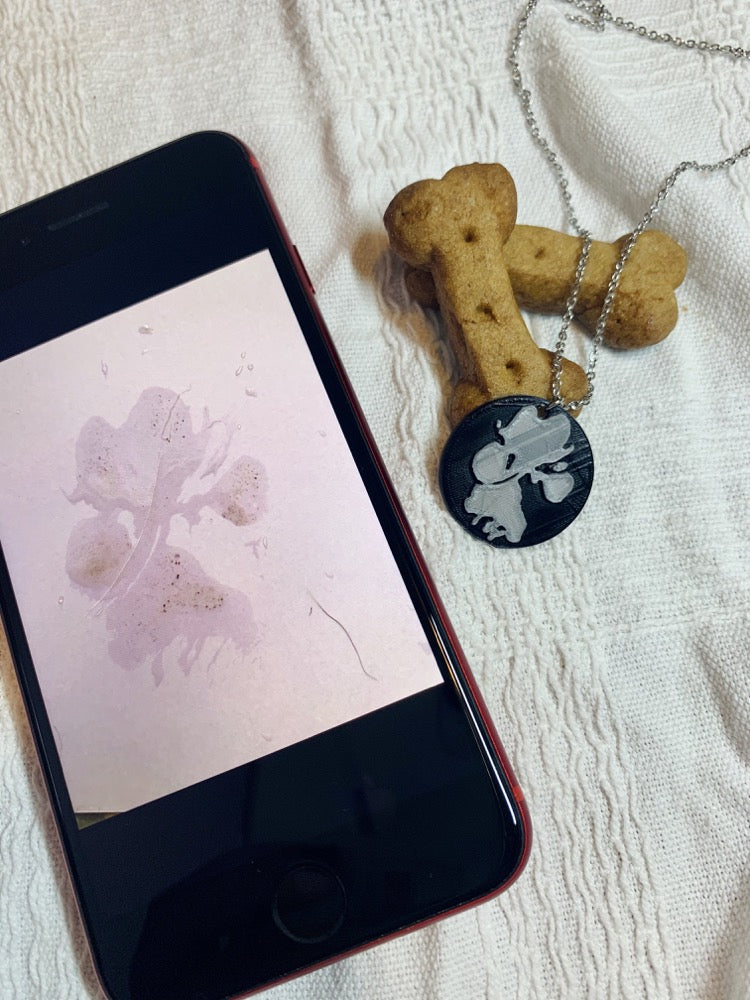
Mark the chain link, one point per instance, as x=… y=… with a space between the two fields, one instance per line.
x=596 y=17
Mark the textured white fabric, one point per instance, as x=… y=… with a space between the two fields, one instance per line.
x=613 y=659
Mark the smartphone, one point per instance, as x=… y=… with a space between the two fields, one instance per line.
x=262 y=743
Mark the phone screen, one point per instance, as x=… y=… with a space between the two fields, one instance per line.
x=201 y=574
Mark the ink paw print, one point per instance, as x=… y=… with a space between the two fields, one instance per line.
x=138 y=477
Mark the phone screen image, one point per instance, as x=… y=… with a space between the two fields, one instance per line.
x=179 y=512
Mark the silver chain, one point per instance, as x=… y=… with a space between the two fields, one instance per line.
x=596 y=16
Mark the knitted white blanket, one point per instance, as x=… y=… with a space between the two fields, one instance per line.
x=614 y=659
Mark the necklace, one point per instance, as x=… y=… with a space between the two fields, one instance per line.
x=517 y=471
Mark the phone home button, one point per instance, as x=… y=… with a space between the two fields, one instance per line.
x=309 y=904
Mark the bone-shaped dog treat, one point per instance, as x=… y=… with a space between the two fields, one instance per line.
x=541 y=266
x=456 y=228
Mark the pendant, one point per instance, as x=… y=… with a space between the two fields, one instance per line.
x=516 y=472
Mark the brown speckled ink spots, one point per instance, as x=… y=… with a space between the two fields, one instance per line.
x=97 y=548
x=157 y=596
x=239 y=496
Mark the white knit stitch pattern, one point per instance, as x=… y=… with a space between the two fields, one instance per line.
x=613 y=659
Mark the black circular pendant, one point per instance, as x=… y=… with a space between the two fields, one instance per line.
x=516 y=472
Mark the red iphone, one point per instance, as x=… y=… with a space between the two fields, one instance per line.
x=263 y=747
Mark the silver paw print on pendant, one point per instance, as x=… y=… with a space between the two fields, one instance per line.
x=516 y=472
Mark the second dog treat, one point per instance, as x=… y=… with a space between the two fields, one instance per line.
x=541 y=265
